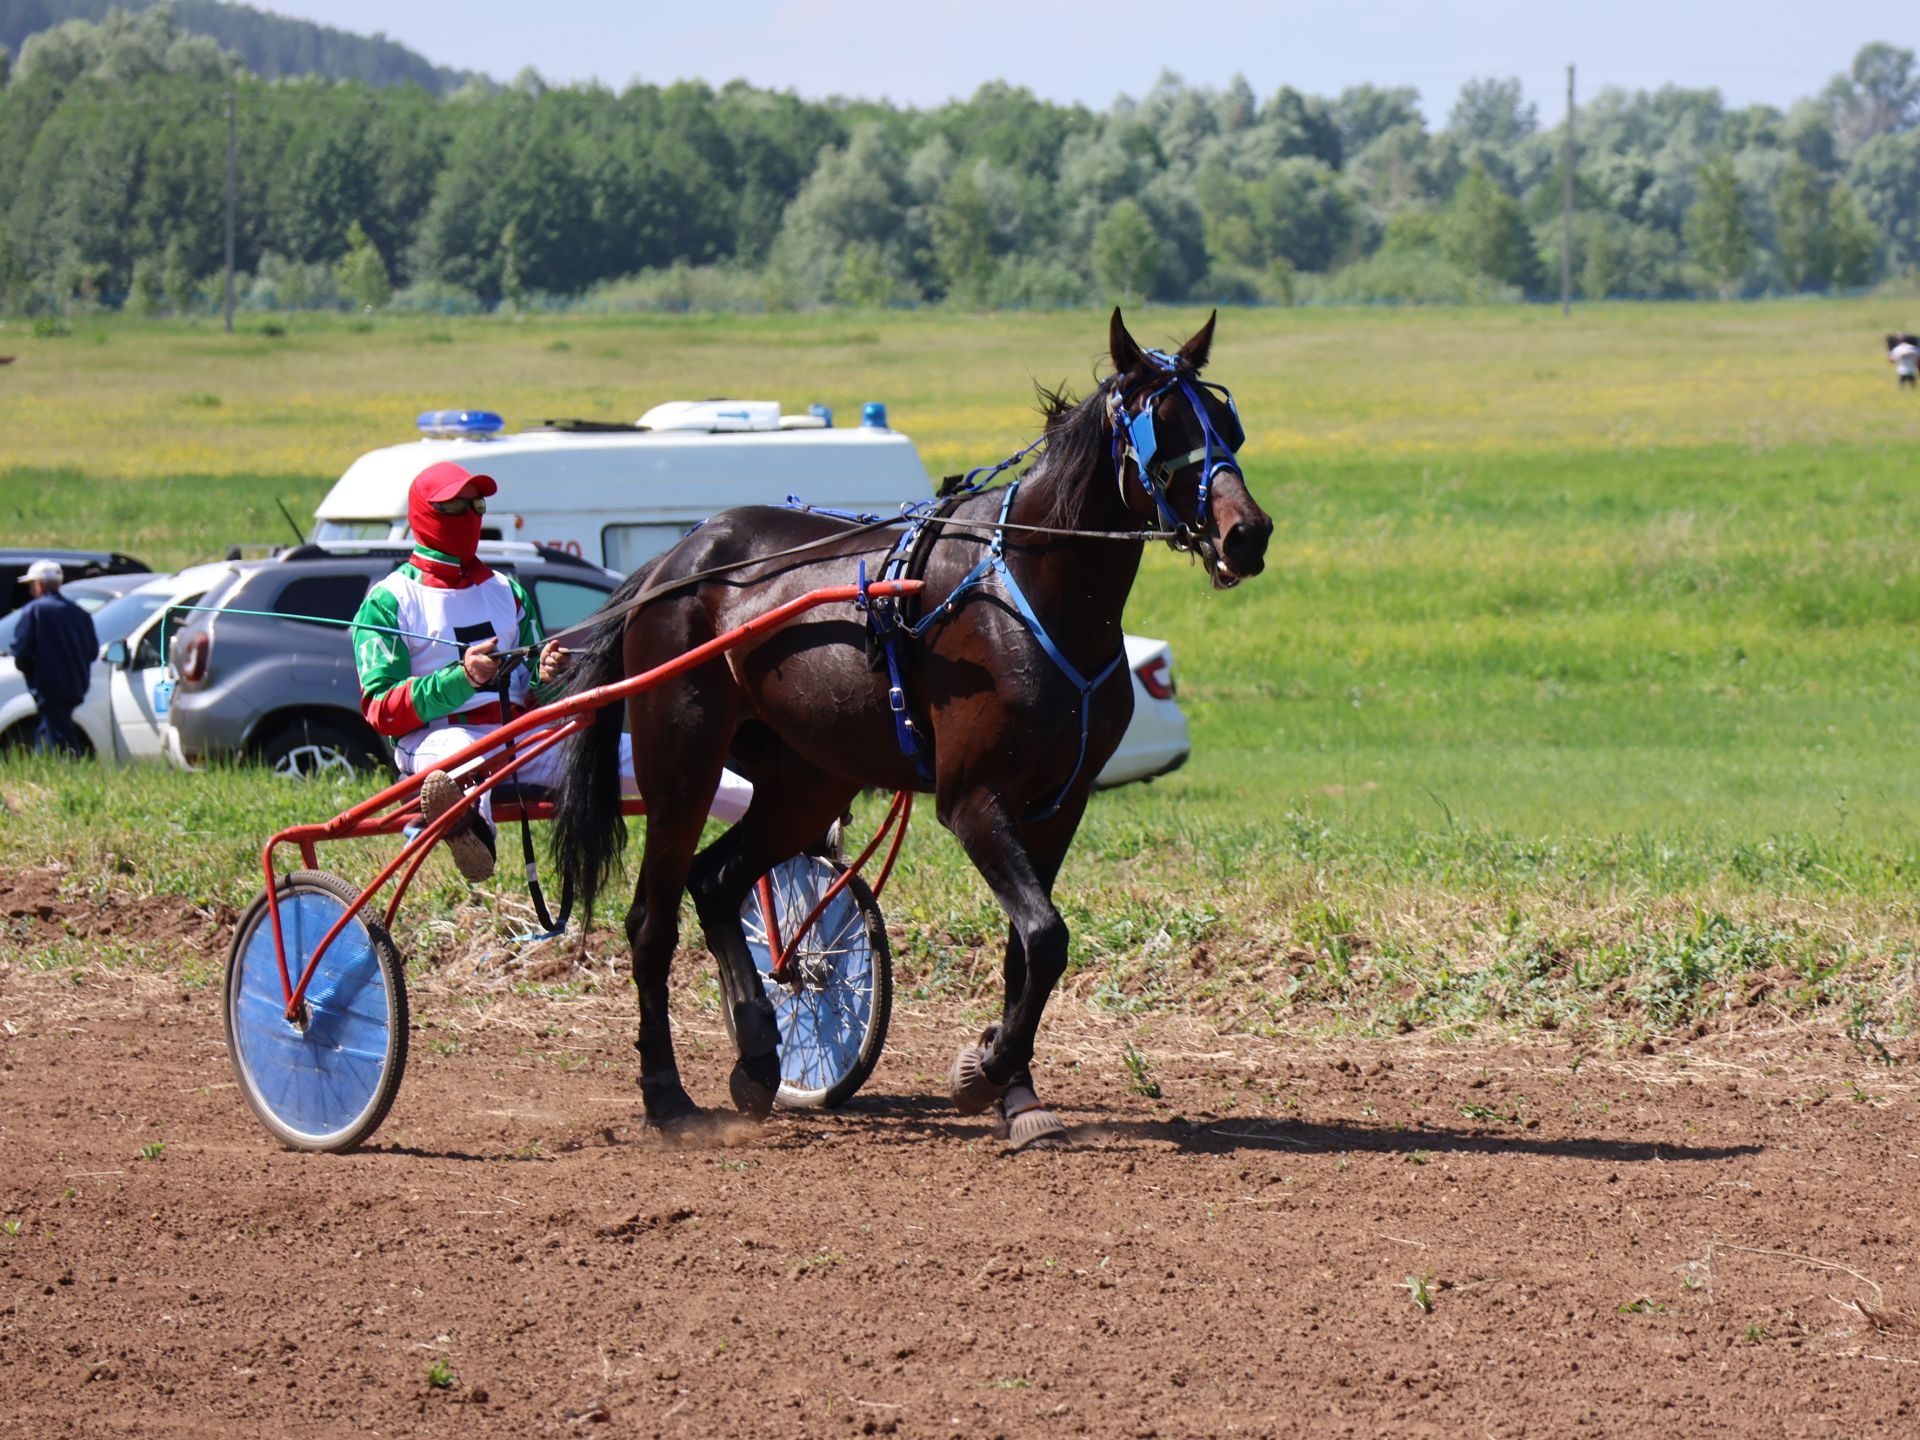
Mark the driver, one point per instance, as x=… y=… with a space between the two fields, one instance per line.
x=428 y=706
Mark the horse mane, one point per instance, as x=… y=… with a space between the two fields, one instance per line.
x=1077 y=444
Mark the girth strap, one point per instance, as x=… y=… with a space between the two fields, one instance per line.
x=892 y=628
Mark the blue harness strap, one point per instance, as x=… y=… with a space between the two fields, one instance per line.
x=889 y=628
x=894 y=630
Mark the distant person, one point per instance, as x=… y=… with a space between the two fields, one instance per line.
x=431 y=706
x=54 y=648
x=1904 y=355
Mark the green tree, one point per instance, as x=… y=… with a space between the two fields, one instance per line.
x=856 y=196
x=1126 y=253
x=1483 y=232
x=177 y=277
x=867 y=278
x=513 y=287
x=144 y=293
x=1296 y=124
x=1879 y=95
x=1299 y=212
x=1363 y=113
x=1851 y=242
x=13 y=272
x=1494 y=112
x=1802 y=228
x=1885 y=182
x=361 y=273
x=962 y=226
x=1603 y=268
x=1717 y=230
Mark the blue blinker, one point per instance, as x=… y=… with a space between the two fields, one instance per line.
x=459 y=424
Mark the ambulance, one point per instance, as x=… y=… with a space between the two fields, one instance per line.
x=619 y=494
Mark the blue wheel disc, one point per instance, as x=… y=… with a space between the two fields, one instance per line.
x=833 y=1009
x=325 y=1081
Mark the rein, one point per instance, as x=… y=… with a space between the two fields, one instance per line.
x=856 y=525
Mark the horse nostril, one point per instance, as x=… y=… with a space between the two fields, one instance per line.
x=1246 y=545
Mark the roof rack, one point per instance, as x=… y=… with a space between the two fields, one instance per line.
x=571 y=426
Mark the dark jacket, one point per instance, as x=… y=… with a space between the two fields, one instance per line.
x=54 y=647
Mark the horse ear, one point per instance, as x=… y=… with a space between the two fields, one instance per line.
x=1195 y=351
x=1122 y=346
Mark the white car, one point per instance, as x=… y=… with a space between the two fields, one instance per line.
x=124 y=715
x=1156 y=739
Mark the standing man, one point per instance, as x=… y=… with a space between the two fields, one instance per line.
x=54 y=648
x=1904 y=356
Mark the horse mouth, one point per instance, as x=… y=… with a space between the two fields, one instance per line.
x=1220 y=572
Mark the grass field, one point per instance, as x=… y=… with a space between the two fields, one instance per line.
x=1586 y=652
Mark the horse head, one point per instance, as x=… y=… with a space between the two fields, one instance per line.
x=1175 y=444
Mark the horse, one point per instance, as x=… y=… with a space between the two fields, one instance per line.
x=1002 y=694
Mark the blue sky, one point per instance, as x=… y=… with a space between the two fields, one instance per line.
x=1094 y=50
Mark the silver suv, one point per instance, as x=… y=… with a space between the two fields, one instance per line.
x=257 y=682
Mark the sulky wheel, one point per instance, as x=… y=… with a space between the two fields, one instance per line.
x=834 y=1006
x=325 y=1082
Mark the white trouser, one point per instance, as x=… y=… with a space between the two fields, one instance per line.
x=425 y=748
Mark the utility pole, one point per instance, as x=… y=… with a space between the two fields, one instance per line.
x=231 y=165
x=1566 y=208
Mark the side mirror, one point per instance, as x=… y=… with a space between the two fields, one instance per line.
x=116 y=654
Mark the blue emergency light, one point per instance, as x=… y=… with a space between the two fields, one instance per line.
x=459 y=424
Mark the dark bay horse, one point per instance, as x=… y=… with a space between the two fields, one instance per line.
x=1014 y=679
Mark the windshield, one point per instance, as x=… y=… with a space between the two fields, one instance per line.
x=117 y=619
x=326 y=530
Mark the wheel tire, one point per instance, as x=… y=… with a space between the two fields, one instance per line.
x=327 y=1083
x=19 y=737
x=313 y=749
x=833 y=1018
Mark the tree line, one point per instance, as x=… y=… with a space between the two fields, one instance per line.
x=270 y=45
x=113 y=155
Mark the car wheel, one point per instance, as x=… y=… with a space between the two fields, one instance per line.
x=313 y=749
x=19 y=737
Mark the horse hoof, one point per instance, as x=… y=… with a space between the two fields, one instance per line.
x=753 y=1093
x=968 y=1084
x=1023 y=1123
x=1034 y=1129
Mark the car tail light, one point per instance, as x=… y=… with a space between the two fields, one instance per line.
x=192 y=651
x=1156 y=678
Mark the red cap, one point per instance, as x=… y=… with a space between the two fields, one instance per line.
x=444 y=480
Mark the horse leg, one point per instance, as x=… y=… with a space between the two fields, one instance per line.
x=1020 y=868
x=792 y=806
x=653 y=933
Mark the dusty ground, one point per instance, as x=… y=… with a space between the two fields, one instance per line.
x=1717 y=1239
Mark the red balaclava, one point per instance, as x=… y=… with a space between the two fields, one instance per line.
x=454 y=535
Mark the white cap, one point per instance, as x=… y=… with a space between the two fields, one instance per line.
x=46 y=570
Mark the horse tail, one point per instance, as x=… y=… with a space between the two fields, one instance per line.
x=589 y=832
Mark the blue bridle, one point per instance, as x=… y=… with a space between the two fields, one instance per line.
x=1134 y=437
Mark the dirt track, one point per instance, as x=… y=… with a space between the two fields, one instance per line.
x=1715 y=1240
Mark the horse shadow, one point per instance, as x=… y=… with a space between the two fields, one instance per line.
x=911 y=1119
